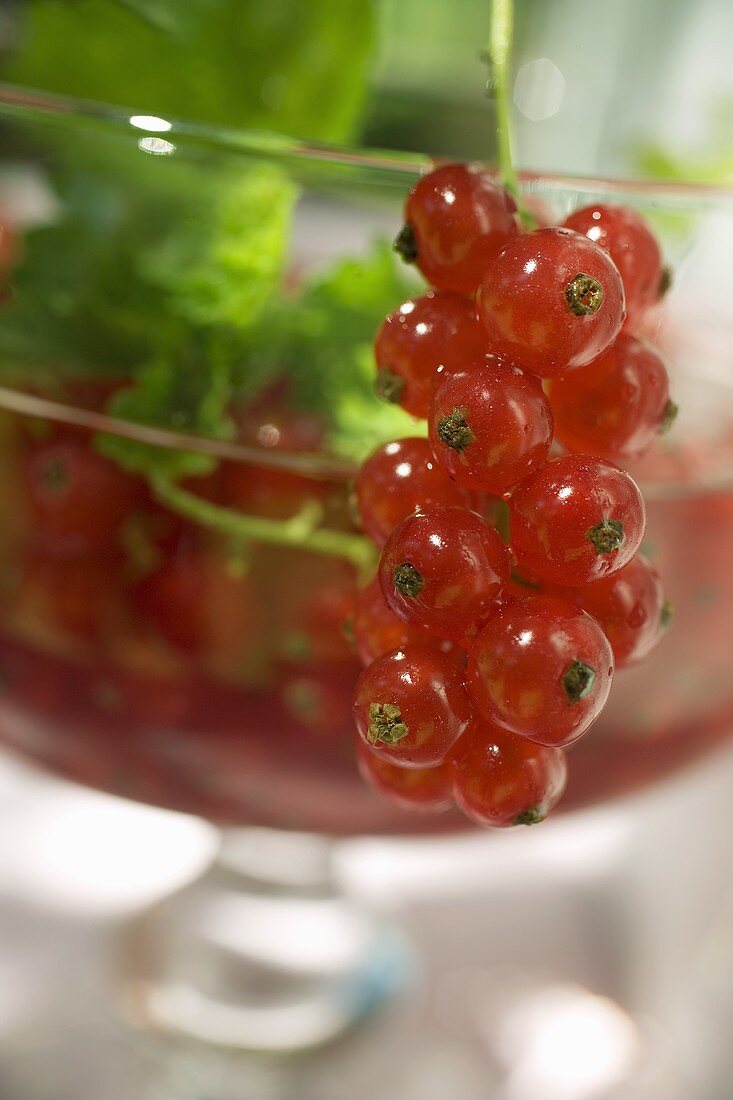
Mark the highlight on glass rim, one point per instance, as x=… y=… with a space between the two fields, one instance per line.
x=366 y=426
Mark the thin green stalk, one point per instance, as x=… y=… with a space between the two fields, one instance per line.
x=500 y=50
x=300 y=532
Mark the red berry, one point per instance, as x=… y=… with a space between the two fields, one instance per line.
x=576 y=520
x=442 y=569
x=616 y=406
x=631 y=608
x=503 y=780
x=8 y=245
x=632 y=246
x=398 y=479
x=541 y=668
x=456 y=220
x=198 y=606
x=490 y=425
x=551 y=301
x=78 y=499
x=420 y=790
x=377 y=630
x=418 y=342
x=411 y=706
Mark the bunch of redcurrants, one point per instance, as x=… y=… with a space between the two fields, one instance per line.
x=510 y=584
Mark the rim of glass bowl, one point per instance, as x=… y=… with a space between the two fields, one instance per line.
x=365 y=165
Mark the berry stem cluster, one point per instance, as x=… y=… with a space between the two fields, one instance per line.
x=490 y=646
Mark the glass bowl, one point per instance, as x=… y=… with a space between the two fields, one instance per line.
x=186 y=318
x=153 y=647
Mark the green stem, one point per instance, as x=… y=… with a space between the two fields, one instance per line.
x=500 y=49
x=300 y=532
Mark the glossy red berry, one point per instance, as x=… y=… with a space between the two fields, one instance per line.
x=421 y=340
x=419 y=790
x=541 y=668
x=502 y=780
x=78 y=500
x=377 y=630
x=630 y=607
x=617 y=405
x=490 y=425
x=398 y=479
x=628 y=239
x=442 y=569
x=551 y=301
x=456 y=220
x=576 y=520
x=411 y=706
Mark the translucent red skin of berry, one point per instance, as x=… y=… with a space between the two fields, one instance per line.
x=630 y=608
x=632 y=246
x=78 y=500
x=396 y=480
x=503 y=780
x=419 y=790
x=426 y=686
x=556 y=511
x=460 y=217
x=518 y=662
x=615 y=407
x=423 y=338
x=523 y=307
x=8 y=245
x=507 y=415
x=377 y=630
x=462 y=562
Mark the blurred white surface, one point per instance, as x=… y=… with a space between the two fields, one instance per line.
x=609 y=932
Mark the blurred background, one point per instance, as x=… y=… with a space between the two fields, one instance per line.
x=625 y=90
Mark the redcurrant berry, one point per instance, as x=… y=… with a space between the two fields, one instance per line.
x=420 y=790
x=457 y=218
x=617 y=405
x=442 y=569
x=631 y=608
x=490 y=425
x=377 y=630
x=629 y=241
x=420 y=341
x=575 y=520
x=501 y=780
x=78 y=499
x=8 y=245
x=411 y=706
x=551 y=301
x=400 y=478
x=541 y=668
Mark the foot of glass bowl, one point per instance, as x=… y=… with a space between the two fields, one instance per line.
x=264 y=952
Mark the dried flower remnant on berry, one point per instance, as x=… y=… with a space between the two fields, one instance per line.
x=668 y=417
x=405 y=244
x=532 y=816
x=389 y=386
x=584 y=295
x=454 y=431
x=578 y=681
x=665 y=281
x=607 y=536
x=385 y=724
x=407 y=580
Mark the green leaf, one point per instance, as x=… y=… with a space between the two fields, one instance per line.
x=296 y=66
x=322 y=342
x=222 y=265
x=179 y=395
